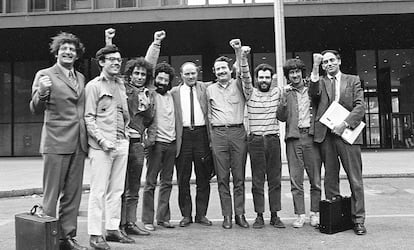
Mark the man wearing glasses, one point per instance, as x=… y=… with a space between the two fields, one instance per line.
x=107 y=118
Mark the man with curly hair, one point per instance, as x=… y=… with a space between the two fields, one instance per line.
x=58 y=92
x=161 y=148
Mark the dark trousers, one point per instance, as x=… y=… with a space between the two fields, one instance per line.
x=230 y=151
x=304 y=154
x=132 y=182
x=350 y=155
x=195 y=146
x=62 y=181
x=161 y=158
x=265 y=161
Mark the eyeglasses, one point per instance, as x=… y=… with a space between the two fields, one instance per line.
x=114 y=59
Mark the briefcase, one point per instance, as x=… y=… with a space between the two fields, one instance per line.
x=335 y=215
x=36 y=231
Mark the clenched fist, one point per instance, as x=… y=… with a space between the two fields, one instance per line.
x=317 y=59
x=235 y=44
x=109 y=35
x=159 y=36
x=245 y=50
x=44 y=85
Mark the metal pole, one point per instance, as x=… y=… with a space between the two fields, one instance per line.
x=280 y=51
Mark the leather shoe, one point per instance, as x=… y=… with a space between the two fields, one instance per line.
x=186 y=221
x=98 y=242
x=276 y=222
x=165 y=224
x=71 y=244
x=360 y=229
x=259 y=222
x=118 y=236
x=241 y=221
x=132 y=228
x=227 y=224
x=203 y=221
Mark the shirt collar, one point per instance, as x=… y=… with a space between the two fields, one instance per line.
x=65 y=70
x=337 y=76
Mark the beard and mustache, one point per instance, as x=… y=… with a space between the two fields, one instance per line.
x=161 y=88
x=264 y=86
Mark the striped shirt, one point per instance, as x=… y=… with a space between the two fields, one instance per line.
x=261 y=109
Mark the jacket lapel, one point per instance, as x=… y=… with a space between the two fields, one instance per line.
x=328 y=86
x=344 y=82
x=59 y=74
x=201 y=98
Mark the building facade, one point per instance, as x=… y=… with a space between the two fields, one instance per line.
x=374 y=37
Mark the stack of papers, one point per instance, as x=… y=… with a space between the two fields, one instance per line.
x=335 y=115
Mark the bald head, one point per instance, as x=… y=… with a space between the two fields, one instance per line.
x=189 y=73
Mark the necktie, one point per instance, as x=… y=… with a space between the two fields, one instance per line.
x=333 y=80
x=73 y=81
x=191 y=107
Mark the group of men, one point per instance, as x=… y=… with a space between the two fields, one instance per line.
x=117 y=122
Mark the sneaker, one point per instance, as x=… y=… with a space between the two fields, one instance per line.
x=299 y=221
x=314 y=219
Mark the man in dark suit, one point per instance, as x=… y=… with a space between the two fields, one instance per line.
x=347 y=91
x=58 y=92
x=190 y=103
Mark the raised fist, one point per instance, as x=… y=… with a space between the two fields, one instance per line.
x=317 y=58
x=245 y=50
x=159 y=36
x=109 y=35
x=235 y=43
x=44 y=85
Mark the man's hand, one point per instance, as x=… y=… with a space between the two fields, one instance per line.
x=159 y=36
x=44 y=85
x=109 y=35
x=339 y=129
x=107 y=145
x=235 y=44
x=245 y=50
x=317 y=59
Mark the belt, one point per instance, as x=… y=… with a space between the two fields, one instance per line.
x=195 y=127
x=228 y=126
x=304 y=130
x=268 y=135
x=135 y=140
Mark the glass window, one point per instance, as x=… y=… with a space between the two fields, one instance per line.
x=196 y=2
x=104 y=4
x=307 y=59
x=218 y=1
x=5 y=109
x=37 y=5
x=58 y=5
x=1 y=6
x=366 y=69
x=149 y=3
x=23 y=79
x=81 y=4
x=242 y=1
x=126 y=3
x=172 y=2
x=177 y=61
x=259 y=58
x=26 y=139
x=14 y=6
x=399 y=61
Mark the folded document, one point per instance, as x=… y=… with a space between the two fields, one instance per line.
x=336 y=114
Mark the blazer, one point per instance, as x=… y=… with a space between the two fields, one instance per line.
x=288 y=111
x=351 y=97
x=63 y=124
x=202 y=99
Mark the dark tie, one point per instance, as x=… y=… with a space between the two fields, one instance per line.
x=191 y=107
x=73 y=81
x=333 y=80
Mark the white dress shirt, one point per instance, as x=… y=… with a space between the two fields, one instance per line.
x=186 y=107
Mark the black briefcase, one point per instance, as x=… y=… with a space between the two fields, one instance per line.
x=36 y=231
x=335 y=215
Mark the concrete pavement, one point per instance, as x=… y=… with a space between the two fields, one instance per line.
x=23 y=175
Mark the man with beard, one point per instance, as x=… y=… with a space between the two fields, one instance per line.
x=138 y=72
x=192 y=144
x=347 y=91
x=228 y=137
x=58 y=92
x=264 y=144
x=107 y=118
x=161 y=150
x=302 y=152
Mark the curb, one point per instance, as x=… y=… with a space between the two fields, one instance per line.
x=86 y=187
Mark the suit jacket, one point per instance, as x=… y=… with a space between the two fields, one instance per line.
x=202 y=99
x=351 y=97
x=63 y=126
